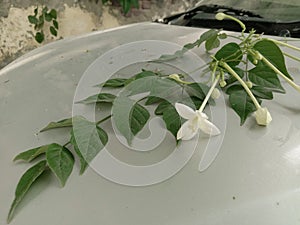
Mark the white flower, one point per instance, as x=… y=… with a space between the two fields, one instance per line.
x=263 y=117
x=195 y=120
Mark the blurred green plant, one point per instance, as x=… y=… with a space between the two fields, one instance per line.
x=126 y=4
x=39 y=18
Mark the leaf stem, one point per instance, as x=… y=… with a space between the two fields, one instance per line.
x=104 y=119
x=69 y=142
x=284 y=44
x=209 y=93
x=233 y=73
x=291 y=56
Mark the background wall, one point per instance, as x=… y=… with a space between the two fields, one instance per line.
x=75 y=17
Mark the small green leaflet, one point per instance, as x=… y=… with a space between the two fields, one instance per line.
x=212 y=42
x=61 y=162
x=171 y=119
x=242 y=104
x=83 y=163
x=258 y=91
x=53 y=31
x=31 y=154
x=199 y=91
x=139 y=118
x=59 y=124
x=115 y=82
x=152 y=100
x=210 y=36
x=273 y=53
x=90 y=138
x=230 y=53
x=161 y=107
x=129 y=117
x=99 y=98
x=231 y=79
x=262 y=92
x=265 y=77
x=24 y=184
x=143 y=74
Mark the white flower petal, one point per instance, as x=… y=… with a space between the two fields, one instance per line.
x=185 y=111
x=208 y=127
x=186 y=131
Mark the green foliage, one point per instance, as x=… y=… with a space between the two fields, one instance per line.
x=126 y=4
x=247 y=85
x=39 y=18
x=24 y=184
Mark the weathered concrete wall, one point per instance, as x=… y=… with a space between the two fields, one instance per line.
x=75 y=17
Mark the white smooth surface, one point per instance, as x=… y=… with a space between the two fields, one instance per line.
x=254 y=179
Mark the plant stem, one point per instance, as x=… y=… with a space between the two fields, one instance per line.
x=294 y=85
x=284 y=44
x=249 y=92
x=291 y=56
x=69 y=142
x=104 y=119
x=209 y=93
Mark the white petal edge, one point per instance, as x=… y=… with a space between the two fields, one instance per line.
x=185 y=111
x=185 y=132
x=208 y=127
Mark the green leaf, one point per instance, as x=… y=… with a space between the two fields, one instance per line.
x=36 y=11
x=53 y=13
x=273 y=53
x=61 y=162
x=143 y=74
x=204 y=37
x=55 y=24
x=198 y=90
x=212 y=42
x=59 y=124
x=126 y=5
x=262 y=92
x=83 y=163
x=223 y=36
x=33 y=20
x=116 y=82
x=230 y=53
x=172 y=119
x=135 y=3
x=99 y=98
x=161 y=107
x=53 y=31
x=258 y=91
x=231 y=79
x=89 y=138
x=129 y=117
x=139 y=118
x=265 y=77
x=24 y=184
x=39 y=37
x=48 y=17
x=234 y=88
x=31 y=154
x=242 y=104
x=152 y=100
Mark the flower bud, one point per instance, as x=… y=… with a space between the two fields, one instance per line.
x=263 y=117
x=175 y=76
x=215 y=93
x=249 y=84
x=220 y=16
x=223 y=83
